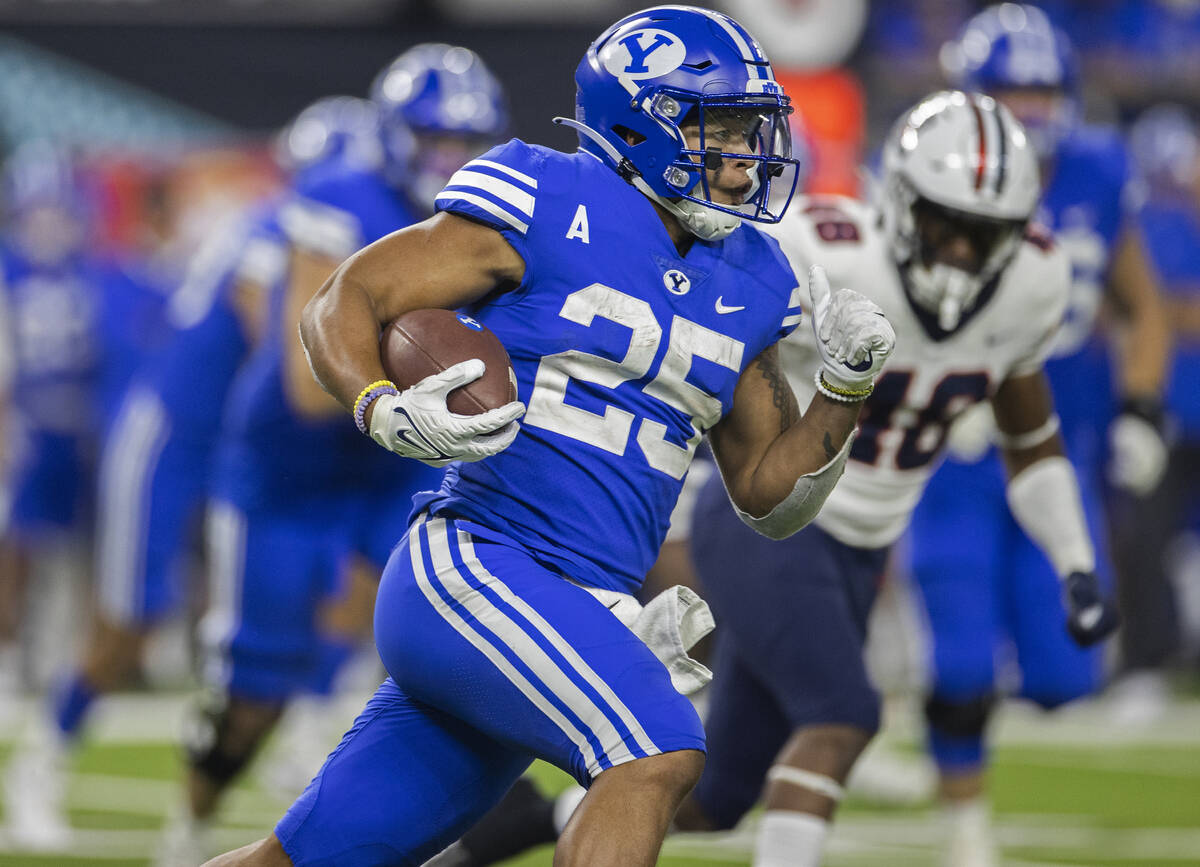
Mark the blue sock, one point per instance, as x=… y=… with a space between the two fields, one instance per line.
x=72 y=698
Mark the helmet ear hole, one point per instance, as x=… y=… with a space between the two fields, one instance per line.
x=633 y=138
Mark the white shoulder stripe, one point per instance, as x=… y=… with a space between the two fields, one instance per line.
x=789 y=321
x=491 y=207
x=508 y=170
x=797 y=298
x=502 y=190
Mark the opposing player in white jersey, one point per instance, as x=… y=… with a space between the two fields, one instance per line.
x=975 y=296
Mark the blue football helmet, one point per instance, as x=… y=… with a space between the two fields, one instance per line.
x=669 y=68
x=439 y=107
x=343 y=128
x=1013 y=47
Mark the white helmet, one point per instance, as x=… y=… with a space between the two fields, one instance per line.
x=965 y=158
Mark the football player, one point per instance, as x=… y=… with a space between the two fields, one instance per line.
x=154 y=468
x=75 y=319
x=975 y=295
x=982 y=579
x=289 y=521
x=1165 y=145
x=639 y=312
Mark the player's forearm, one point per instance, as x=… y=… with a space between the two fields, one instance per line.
x=1145 y=345
x=1045 y=501
x=806 y=446
x=799 y=470
x=1145 y=351
x=339 y=330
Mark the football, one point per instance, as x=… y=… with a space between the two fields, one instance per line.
x=423 y=342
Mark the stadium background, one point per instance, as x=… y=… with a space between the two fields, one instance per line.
x=172 y=105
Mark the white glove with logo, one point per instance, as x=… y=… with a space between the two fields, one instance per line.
x=417 y=424
x=1138 y=454
x=853 y=336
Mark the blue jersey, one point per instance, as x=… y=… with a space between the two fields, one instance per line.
x=624 y=357
x=78 y=328
x=270 y=457
x=191 y=373
x=1085 y=205
x=1172 y=233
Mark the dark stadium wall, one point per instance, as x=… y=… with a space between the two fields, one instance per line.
x=257 y=78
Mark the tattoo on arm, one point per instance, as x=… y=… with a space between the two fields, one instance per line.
x=781 y=393
x=830 y=451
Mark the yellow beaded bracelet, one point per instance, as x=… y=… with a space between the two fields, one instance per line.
x=373 y=390
x=846 y=395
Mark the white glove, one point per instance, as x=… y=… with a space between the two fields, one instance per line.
x=417 y=424
x=853 y=336
x=1139 y=454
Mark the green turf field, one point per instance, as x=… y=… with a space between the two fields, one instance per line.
x=1068 y=791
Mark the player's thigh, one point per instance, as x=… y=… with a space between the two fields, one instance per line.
x=480 y=630
x=151 y=487
x=794 y=610
x=269 y=574
x=404 y=782
x=746 y=729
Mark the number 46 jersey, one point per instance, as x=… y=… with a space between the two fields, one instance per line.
x=932 y=375
x=625 y=354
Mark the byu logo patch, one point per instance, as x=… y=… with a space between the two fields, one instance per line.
x=469 y=322
x=677 y=282
x=641 y=55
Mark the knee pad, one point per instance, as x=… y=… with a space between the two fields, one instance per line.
x=212 y=745
x=960 y=719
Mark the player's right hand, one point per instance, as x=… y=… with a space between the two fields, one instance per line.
x=417 y=424
x=853 y=336
x=1091 y=616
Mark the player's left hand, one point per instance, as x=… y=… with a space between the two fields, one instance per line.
x=1138 y=450
x=1091 y=616
x=853 y=336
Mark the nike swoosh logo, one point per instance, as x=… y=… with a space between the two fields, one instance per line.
x=1089 y=617
x=721 y=308
x=865 y=364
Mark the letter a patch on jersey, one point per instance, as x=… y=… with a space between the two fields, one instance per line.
x=579 y=226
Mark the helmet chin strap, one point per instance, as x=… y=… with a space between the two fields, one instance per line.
x=705 y=223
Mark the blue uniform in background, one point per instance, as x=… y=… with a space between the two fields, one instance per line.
x=157 y=462
x=293 y=497
x=1172 y=233
x=980 y=576
x=497 y=652
x=77 y=329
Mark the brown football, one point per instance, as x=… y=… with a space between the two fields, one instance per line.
x=423 y=342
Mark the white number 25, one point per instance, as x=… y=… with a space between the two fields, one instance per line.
x=610 y=430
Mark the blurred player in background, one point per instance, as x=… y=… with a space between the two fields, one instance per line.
x=493 y=616
x=153 y=471
x=300 y=527
x=982 y=579
x=1165 y=145
x=80 y=324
